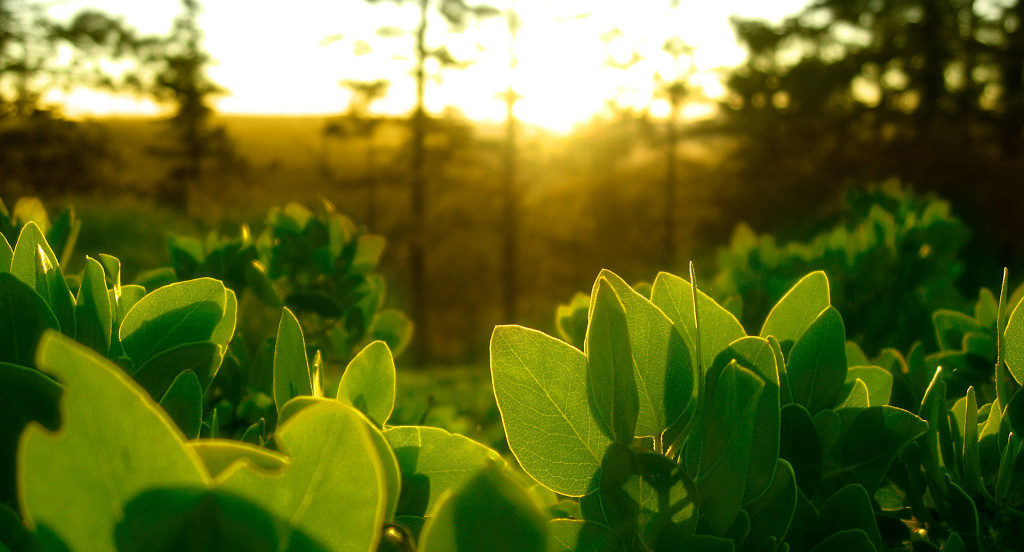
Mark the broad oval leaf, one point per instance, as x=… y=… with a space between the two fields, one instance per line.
x=157 y=373
x=26 y=395
x=183 y=312
x=291 y=365
x=610 y=384
x=76 y=482
x=93 y=315
x=576 y=535
x=728 y=436
x=848 y=508
x=368 y=382
x=872 y=442
x=797 y=310
x=719 y=327
x=26 y=250
x=487 y=512
x=183 y=402
x=772 y=512
x=431 y=461
x=541 y=391
x=817 y=362
x=333 y=464
x=877 y=380
x=664 y=371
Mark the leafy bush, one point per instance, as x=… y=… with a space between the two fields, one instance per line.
x=892 y=262
x=668 y=428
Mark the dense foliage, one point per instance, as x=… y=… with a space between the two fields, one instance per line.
x=667 y=427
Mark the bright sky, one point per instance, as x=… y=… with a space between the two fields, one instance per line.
x=272 y=58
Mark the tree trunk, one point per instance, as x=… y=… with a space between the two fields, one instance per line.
x=417 y=254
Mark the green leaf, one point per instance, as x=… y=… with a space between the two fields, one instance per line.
x=157 y=373
x=797 y=310
x=183 y=312
x=75 y=483
x=799 y=445
x=817 y=362
x=51 y=286
x=848 y=508
x=951 y=327
x=392 y=471
x=855 y=355
x=368 y=382
x=756 y=354
x=334 y=464
x=92 y=309
x=872 y=442
x=220 y=454
x=963 y=516
x=573 y=535
x=487 y=512
x=26 y=395
x=610 y=384
x=664 y=372
x=969 y=446
x=368 y=251
x=225 y=329
x=850 y=540
x=1013 y=343
x=877 y=380
x=197 y=520
x=24 y=317
x=291 y=366
x=30 y=242
x=183 y=402
x=728 y=437
x=6 y=254
x=541 y=391
x=433 y=461
x=719 y=327
x=393 y=327
x=857 y=399
x=772 y=512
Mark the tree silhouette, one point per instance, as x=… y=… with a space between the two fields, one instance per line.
x=457 y=14
x=182 y=80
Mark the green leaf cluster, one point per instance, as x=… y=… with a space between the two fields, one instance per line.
x=673 y=429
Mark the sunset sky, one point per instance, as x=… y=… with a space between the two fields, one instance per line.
x=273 y=59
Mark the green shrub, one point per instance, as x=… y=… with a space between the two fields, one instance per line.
x=892 y=262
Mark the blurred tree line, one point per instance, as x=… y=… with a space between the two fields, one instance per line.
x=843 y=93
x=44 y=152
x=929 y=91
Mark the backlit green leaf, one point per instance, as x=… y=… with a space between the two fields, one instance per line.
x=183 y=312
x=610 y=382
x=334 y=468
x=1013 y=343
x=719 y=327
x=183 y=402
x=368 y=382
x=574 y=535
x=6 y=254
x=487 y=512
x=291 y=366
x=51 y=286
x=817 y=362
x=432 y=461
x=26 y=395
x=728 y=436
x=849 y=508
x=541 y=391
x=219 y=454
x=665 y=374
x=92 y=309
x=30 y=242
x=797 y=310
x=877 y=380
x=114 y=443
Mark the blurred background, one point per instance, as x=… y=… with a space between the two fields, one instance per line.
x=508 y=151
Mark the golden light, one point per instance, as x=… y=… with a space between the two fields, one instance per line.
x=272 y=59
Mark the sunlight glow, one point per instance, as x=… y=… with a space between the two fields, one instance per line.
x=273 y=59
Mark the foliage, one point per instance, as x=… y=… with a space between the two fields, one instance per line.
x=915 y=242
x=667 y=427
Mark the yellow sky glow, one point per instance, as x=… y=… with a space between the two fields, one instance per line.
x=271 y=57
